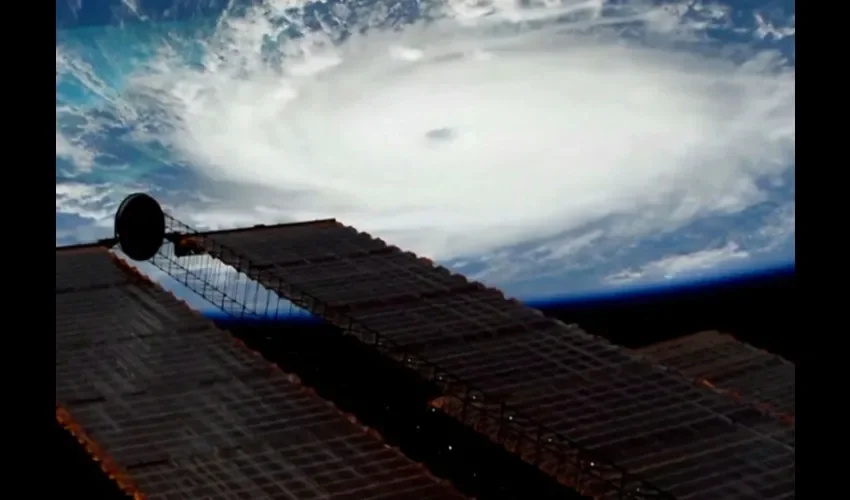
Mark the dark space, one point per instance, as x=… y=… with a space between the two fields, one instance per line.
x=758 y=310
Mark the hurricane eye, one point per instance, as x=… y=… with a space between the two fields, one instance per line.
x=440 y=134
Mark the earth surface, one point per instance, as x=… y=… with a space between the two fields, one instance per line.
x=556 y=149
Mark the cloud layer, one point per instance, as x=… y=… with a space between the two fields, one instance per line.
x=572 y=123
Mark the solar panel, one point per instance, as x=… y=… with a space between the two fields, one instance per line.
x=760 y=378
x=570 y=402
x=174 y=408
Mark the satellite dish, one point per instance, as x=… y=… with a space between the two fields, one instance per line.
x=139 y=226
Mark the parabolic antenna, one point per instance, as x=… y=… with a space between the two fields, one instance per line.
x=139 y=226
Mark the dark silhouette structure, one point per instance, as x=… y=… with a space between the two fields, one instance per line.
x=719 y=361
x=171 y=407
x=609 y=422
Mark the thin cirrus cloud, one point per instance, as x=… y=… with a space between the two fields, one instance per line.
x=673 y=266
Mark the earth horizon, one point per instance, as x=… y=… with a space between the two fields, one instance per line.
x=561 y=151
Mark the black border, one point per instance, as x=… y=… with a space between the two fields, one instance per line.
x=29 y=407
x=821 y=392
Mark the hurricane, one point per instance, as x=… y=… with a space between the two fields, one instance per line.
x=512 y=139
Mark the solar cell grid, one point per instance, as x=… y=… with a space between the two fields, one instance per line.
x=597 y=383
x=575 y=384
x=311 y=241
x=354 y=283
x=86 y=270
x=445 y=320
x=339 y=253
x=761 y=378
x=190 y=414
x=92 y=316
x=187 y=359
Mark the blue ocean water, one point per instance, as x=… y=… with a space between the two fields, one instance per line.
x=111 y=131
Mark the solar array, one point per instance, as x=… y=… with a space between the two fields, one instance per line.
x=174 y=408
x=597 y=417
x=740 y=370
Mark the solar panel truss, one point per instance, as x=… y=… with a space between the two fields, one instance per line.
x=174 y=408
x=595 y=416
x=720 y=361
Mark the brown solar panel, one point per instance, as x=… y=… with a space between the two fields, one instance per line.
x=568 y=401
x=174 y=408
x=717 y=360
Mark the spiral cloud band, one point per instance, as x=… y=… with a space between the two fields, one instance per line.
x=490 y=125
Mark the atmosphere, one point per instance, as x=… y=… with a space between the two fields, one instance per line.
x=617 y=141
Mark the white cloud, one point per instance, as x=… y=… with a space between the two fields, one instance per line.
x=766 y=28
x=780 y=227
x=81 y=157
x=625 y=276
x=94 y=204
x=87 y=201
x=507 y=265
x=552 y=128
x=676 y=265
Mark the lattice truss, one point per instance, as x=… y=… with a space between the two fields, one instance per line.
x=604 y=420
x=174 y=408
